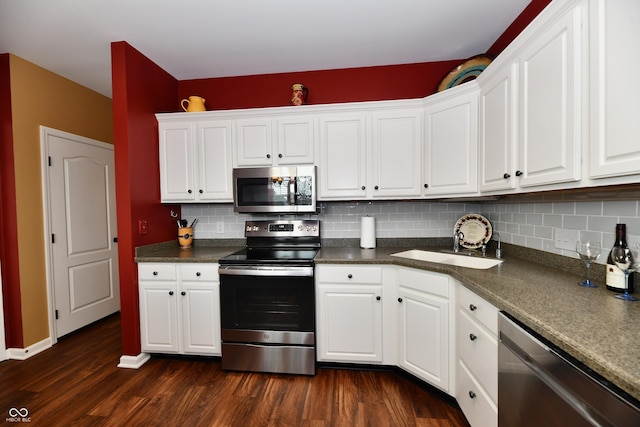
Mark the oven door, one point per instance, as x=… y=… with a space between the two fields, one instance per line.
x=273 y=305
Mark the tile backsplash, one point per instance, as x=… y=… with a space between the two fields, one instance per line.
x=531 y=224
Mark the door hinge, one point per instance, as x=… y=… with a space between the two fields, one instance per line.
x=53 y=238
x=57 y=314
x=49 y=160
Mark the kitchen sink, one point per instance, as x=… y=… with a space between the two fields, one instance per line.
x=449 y=259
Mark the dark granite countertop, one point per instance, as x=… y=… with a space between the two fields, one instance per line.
x=588 y=323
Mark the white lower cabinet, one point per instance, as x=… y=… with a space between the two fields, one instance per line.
x=424 y=326
x=179 y=308
x=477 y=364
x=349 y=313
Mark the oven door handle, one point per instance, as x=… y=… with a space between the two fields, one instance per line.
x=244 y=270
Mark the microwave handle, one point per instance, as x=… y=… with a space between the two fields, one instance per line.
x=292 y=191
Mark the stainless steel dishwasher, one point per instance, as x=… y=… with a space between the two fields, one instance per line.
x=540 y=385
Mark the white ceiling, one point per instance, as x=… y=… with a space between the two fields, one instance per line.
x=193 y=39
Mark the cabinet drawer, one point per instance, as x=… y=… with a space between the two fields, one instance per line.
x=479 y=351
x=424 y=281
x=479 y=309
x=200 y=272
x=156 y=271
x=473 y=401
x=348 y=274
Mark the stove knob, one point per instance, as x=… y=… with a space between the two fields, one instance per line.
x=255 y=228
x=248 y=228
x=301 y=227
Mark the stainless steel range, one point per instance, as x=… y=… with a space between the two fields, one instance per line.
x=268 y=299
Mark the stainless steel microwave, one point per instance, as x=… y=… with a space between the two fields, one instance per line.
x=278 y=189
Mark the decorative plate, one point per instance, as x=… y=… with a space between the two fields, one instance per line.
x=467 y=71
x=476 y=229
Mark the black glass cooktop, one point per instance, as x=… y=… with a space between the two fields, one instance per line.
x=271 y=256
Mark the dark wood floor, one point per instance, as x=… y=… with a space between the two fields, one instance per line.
x=78 y=383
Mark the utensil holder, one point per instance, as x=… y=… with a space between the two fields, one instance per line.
x=185 y=237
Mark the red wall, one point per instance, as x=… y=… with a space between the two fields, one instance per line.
x=325 y=87
x=516 y=27
x=8 y=216
x=140 y=89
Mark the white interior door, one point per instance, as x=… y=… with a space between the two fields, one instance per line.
x=83 y=251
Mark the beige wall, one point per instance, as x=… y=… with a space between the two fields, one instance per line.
x=40 y=97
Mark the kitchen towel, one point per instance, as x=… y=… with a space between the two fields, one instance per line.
x=368 y=232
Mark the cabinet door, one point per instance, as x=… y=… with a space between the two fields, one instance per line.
x=177 y=167
x=349 y=323
x=200 y=318
x=397 y=150
x=451 y=143
x=342 y=169
x=498 y=130
x=158 y=317
x=295 y=141
x=424 y=336
x=551 y=104
x=215 y=165
x=615 y=100
x=253 y=143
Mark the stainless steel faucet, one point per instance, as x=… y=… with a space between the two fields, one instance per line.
x=457 y=236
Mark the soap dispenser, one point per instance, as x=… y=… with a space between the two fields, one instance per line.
x=498 y=248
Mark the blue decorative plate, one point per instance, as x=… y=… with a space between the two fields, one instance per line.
x=467 y=71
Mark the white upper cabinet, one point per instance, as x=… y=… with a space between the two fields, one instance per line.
x=214 y=158
x=195 y=160
x=342 y=168
x=615 y=93
x=177 y=179
x=550 y=94
x=275 y=141
x=498 y=127
x=396 y=151
x=531 y=107
x=451 y=142
x=371 y=153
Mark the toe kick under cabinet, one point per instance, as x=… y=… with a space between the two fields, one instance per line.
x=477 y=365
x=180 y=308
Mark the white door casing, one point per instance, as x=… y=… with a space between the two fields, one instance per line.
x=80 y=230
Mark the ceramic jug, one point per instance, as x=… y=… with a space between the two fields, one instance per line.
x=194 y=103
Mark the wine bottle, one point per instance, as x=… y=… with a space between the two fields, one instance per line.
x=615 y=276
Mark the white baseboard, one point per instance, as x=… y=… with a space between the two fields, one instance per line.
x=25 y=353
x=133 y=362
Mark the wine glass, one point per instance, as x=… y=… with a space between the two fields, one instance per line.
x=625 y=260
x=588 y=252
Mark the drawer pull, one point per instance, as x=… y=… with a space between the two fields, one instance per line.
x=472 y=394
x=198 y=274
x=472 y=337
x=399 y=299
x=170 y=292
x=350 y=276
x=472 y=307
x=183 y=293
x=155 y=273
x=378 y=298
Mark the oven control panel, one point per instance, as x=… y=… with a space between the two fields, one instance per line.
x=282 y=228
